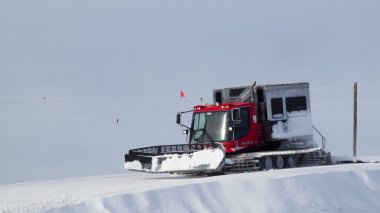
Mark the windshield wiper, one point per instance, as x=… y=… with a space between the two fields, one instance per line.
x=206 y=133
x=209 y=136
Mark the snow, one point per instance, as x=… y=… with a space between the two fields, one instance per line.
x=279 y=115
x=297 y=113
x=337 y=188
x=207 y=159
x=295 y=126
x=134 y=165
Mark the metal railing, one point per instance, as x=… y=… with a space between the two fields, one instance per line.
x=322 y=137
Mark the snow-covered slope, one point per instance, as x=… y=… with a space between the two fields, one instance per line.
x=338 y=188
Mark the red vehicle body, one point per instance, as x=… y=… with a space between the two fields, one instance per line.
x=252 y=136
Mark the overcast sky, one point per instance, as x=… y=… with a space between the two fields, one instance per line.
x=70 y=68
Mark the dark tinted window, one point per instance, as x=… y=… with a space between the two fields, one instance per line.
x=277 y=109
x=241 y=129
x=296 y=104
x=218 y=97
x=236 y=92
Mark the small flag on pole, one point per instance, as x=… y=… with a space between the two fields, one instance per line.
x=201 y=100
x=182 y=94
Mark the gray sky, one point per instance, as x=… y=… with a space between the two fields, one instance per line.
x=98 y=60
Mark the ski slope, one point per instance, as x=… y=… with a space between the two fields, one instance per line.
x=337 y=188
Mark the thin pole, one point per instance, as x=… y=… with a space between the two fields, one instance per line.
x=355 y=119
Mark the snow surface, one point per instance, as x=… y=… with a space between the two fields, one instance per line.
x=338 y=188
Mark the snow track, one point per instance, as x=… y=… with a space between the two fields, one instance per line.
x=339 y=188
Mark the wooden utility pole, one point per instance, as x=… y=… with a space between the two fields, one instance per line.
x=355 y=120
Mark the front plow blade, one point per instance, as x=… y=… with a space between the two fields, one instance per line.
x=183 y=158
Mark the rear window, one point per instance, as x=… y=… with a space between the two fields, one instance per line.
x=296 y=106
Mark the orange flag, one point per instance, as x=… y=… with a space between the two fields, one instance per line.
x=182 y=94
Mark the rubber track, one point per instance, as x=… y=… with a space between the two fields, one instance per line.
x=251 y=161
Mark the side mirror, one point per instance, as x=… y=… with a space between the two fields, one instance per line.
x=178 y=118
x=236 y=118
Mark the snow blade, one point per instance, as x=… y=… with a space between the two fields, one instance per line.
x=182 y=158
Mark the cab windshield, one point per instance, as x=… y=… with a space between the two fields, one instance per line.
x=210 y=127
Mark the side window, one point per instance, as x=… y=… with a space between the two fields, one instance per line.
x=241 y=129
x=196 y=121
x=199 y=122
x=296 y=106
x=277 y=109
